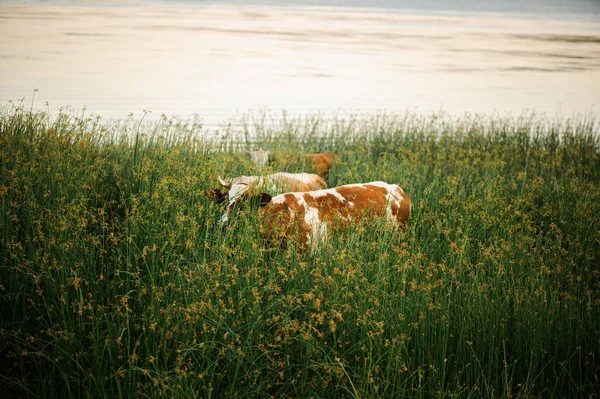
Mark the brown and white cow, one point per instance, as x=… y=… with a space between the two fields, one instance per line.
x=313 y=215
x=321 y=163
x=240 y=189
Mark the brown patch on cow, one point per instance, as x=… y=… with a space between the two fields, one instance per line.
x=275 y=219
x=331 y=208
x=278 y=224
x=291 y=203
x=321 y=163
x=405 y=209
x=367 y=200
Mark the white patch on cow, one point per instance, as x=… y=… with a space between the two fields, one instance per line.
x=318 y=229
x=380 y=184
x=321 y=193
x=311 y=218
x=279 y=199
x=393 y=197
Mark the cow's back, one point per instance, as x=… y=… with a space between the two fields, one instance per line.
x=297 y=182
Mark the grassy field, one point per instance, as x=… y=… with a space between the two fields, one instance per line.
x=116 y=282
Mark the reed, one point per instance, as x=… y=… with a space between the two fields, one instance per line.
x=116 y=282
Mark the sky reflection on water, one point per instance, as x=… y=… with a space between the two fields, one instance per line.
x=215 y=61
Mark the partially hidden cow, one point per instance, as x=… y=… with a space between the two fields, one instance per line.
x=242 y=188
x=260 y=158
x=314 y=215
x=321 y=163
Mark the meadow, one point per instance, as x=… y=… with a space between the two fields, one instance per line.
x=115 y=280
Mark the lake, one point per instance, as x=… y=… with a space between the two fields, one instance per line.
x=218 y=60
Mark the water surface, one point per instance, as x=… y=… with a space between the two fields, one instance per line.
x=184 y=58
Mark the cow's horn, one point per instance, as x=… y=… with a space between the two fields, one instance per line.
x=223 y=182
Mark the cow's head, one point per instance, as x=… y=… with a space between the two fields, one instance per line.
x=216 y=195
x=238 y=194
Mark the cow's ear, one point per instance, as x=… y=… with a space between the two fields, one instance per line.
x=264 y=199
x=214 y=194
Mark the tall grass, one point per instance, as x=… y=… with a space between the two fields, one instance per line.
x=116 y=282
